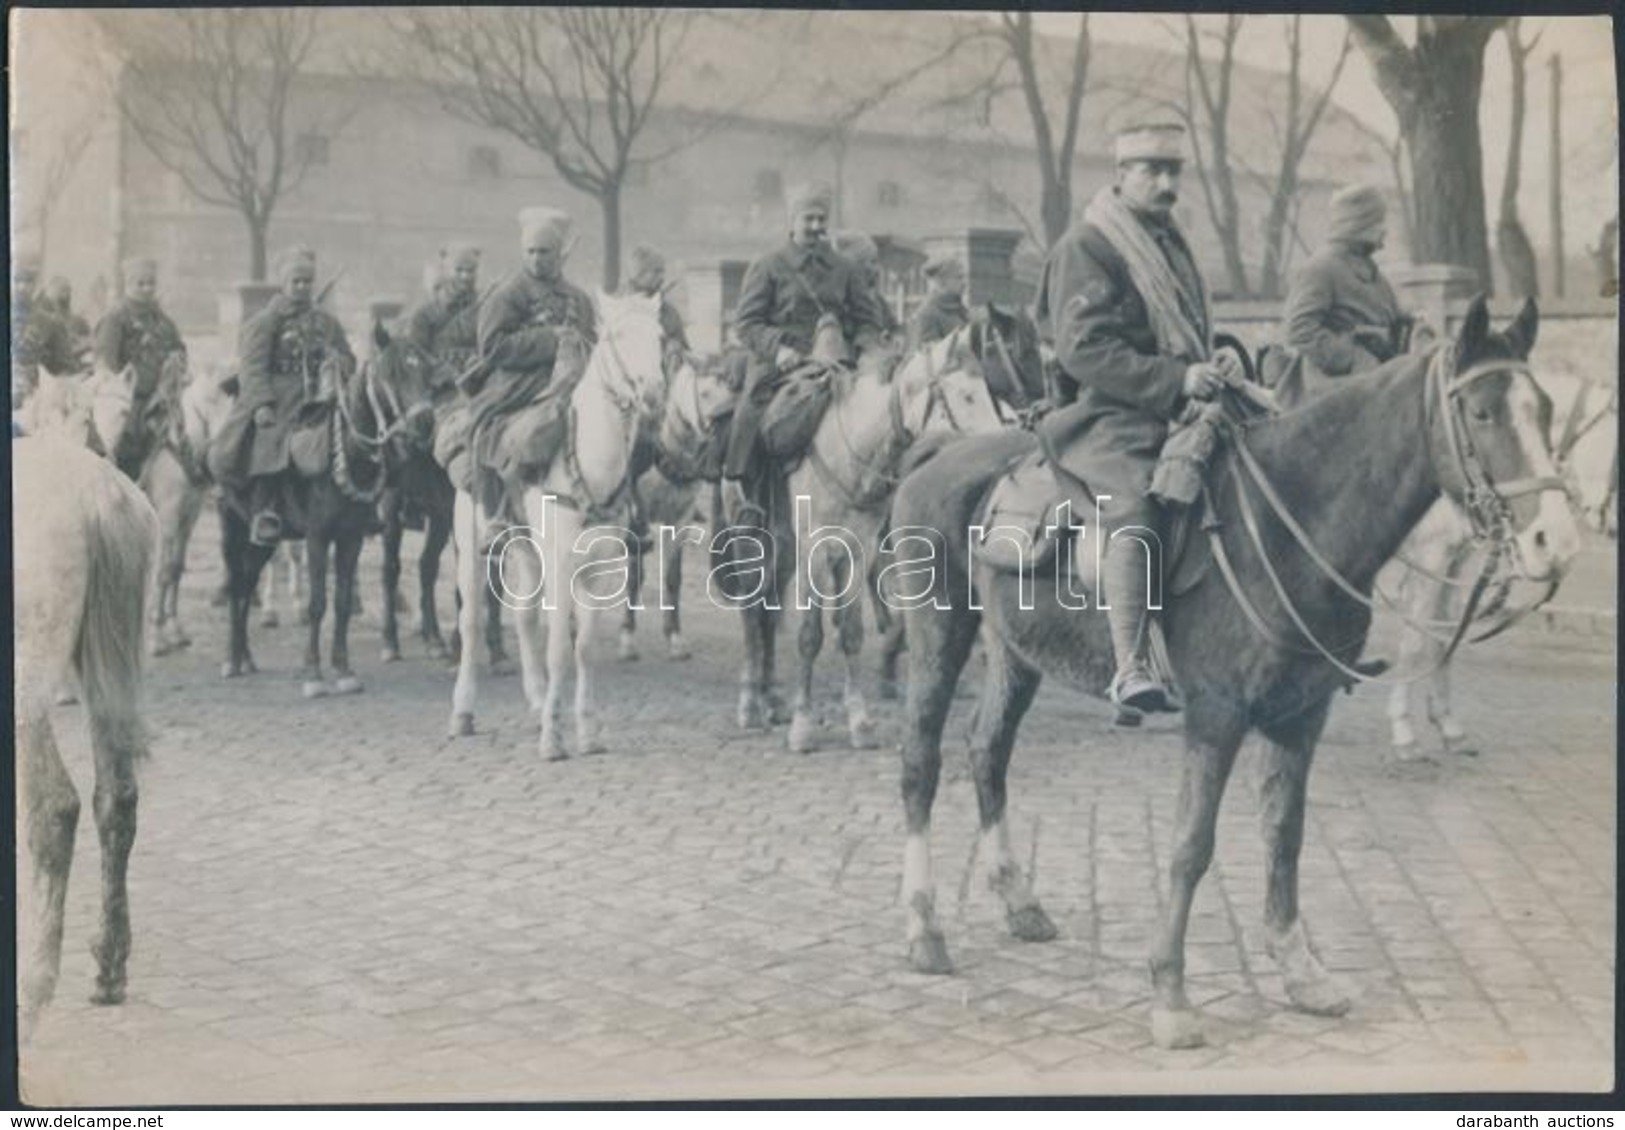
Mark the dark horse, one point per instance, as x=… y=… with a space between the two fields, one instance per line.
x=401 y=382
x=336 y=511
x=753 y=567
x=1357 y=469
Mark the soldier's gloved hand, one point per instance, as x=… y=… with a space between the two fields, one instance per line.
x=264 y=416
x=787 y=358
x=1203 y=381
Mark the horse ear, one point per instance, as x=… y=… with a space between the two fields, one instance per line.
x=1521 y=333
x=1475 y=329
x=380 y=336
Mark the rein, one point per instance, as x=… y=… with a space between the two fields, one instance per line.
x=1487 y=510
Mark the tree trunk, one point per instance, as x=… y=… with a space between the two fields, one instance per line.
x=1272 y=283
x=609 y=201
x=257 y=233
x=1056 y=209
x=1447 y=160
x=1517 y=254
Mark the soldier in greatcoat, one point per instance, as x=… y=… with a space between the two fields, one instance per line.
x=783 y=297
x=285 y=358
x=1341 y=314
x=943 y=310
x=137 y=333
x=1124 y=303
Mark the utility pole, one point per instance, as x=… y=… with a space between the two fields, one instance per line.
x=1554 y=186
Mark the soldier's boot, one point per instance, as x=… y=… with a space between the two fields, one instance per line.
x=1125 y=576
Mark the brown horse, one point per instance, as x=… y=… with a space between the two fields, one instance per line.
x=1248 y=644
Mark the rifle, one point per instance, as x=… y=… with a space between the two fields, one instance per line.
x=321 y=298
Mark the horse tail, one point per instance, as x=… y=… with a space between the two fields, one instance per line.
x=121 y=543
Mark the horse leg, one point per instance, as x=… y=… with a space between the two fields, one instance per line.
x=316 y=564
x=1441 y=707
x=849 y=632
x=943 y=645
x=671 y=587
x=528 y=624
x=802 y=737
x=1289 y=751
x=1416 y=651
x=589 y=728
x=1212 y=736
x=346 y=565
x=119 y=742
x=244 y=564
x=434 y=544
x=176 y=542
x=626 y=647
x=466 y=522
x=501 y=664
x=752 y=708
x=390 y=507
x=558 y=608
x=1007 y=692
x=889 y=630
x=51 y=806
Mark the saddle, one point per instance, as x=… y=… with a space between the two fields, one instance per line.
x=792 y=417
x=1029 y=515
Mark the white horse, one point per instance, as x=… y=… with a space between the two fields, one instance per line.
x=85 y=539
x=88 y=411
x=843 y=487
x=569 y=560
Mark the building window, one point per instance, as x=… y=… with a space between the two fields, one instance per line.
x=312 y=149
x=769 y=189
x=485 y=162
x=889 y=194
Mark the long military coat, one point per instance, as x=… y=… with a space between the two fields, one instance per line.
x=1336 y=292
x=1120 y=391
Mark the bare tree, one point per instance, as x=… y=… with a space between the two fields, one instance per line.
x=576 y=84
x=1304 y=112
x=209 y=92
x=41 y=182
x=1511 y=239
x=1209 y=92
x=1434 y=88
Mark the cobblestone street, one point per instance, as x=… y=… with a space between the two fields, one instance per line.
x=333 y=902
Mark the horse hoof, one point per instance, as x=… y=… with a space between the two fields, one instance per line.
x=1461 y=747
x=678 y=649
x=750 y=715
x=1128 y=718
x=160 y=648
x=270 y=620
x=627 y=650
x=863 y=735
x=390 y=655
x=929 y=954
x=437 y=650
x=107 y=995
x=230 y=671
x=1324 y=995
x=591 y=748
x=502 y=667
x=1176 y=1029
x=183 y=641
x=802 y=737
x=1031 y=924
x=462 y=726
x=315 y=688
x=553 y=749
x=348 y=684
x=778 y=711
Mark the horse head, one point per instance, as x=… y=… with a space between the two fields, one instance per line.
x=632 y=347
x=1490 y=434
x=404 y=380
x=942 y=389
x=110 y=402
x=695 y=397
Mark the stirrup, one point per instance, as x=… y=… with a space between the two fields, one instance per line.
x=265 y=528
x=1136 y=688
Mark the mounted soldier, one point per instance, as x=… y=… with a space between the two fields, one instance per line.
x=1341 y=314
x=944 y=309
x=519 y=326
x=59 y=292
x=137 y=333
x=648 y=276
x=1127 y=310
x=786 y=296
x=39 y=338
x=287 y=357
x=445 y=326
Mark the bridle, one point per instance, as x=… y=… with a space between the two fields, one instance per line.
x=624 y=393
x=1485 y=499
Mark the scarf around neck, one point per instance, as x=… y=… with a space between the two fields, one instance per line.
x=1178 y=318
